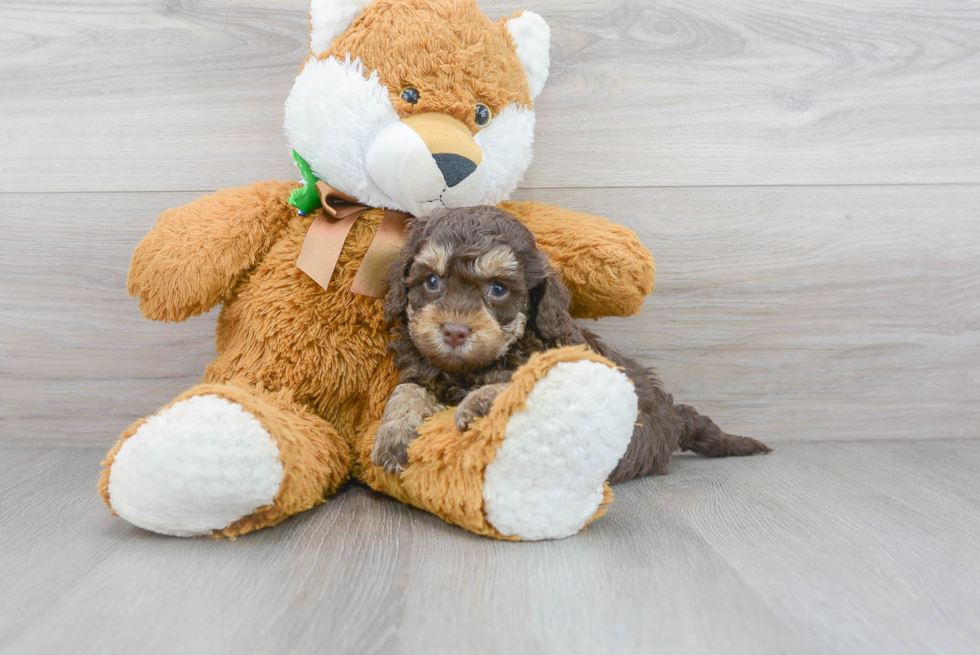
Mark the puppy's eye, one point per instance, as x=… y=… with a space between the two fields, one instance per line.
x=497 y=290
x=483 y=115
x=432 y=282
x=410 y=95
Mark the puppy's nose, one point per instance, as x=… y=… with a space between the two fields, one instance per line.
x=455 y=335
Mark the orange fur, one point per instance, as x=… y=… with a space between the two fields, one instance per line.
x=476 y=62
x=445 y=471
x=316 y=460
x=312 y=363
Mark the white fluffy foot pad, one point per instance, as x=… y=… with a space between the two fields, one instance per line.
x=547 y=478
x=195 y=467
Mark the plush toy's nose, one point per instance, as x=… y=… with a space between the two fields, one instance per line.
x=455 y=168
x=450 y=143
x=455 y=335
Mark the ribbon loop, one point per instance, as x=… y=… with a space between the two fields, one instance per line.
x=337 y=203
x=325 y=240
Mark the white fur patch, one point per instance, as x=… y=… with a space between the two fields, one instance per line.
x=344 y=125
x=331 y=18
x=507 y=145
x=399 y=162
x=333 y=113
x=532 y=36
x=195 y=467
x=547 y=477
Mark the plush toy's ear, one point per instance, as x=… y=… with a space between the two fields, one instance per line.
x=533 y=39
x=331 y=18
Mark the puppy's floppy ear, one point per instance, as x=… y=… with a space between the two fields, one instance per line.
x=550 y=318
x=396 y=300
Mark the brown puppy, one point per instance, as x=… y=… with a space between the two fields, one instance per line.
x=470 y=299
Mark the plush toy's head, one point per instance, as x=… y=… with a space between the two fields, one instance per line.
x=416 y=105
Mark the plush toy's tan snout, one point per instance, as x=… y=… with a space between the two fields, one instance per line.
x=449 y=142
x=428 y=161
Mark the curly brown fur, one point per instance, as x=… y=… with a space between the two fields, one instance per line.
x=471 y=298
x=466 y=235
x=405 y=411
x=476 y=404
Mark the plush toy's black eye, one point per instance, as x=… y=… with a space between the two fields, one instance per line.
x=483 y=115
x=410 y=95
x=432 y=282
x=497 y=290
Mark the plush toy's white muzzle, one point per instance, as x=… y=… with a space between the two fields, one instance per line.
x=342 y=122
x=428 y=161
x=340 y=119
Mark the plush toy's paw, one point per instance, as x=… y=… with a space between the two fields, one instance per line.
x=547 y=478
x=477 y=403
x=195 y=467
x=391 y=443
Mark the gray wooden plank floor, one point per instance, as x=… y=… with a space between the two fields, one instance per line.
x=818 y=548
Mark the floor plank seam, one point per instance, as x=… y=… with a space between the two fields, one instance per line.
x=876 y=185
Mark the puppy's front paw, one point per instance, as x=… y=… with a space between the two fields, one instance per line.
x=391 y=443
x=476 y=404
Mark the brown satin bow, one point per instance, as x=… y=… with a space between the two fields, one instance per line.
x=325 y=240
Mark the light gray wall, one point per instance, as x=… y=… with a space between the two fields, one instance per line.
x=808 y=176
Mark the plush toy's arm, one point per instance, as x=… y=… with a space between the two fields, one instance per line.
x=194 y=255
x=604 y=265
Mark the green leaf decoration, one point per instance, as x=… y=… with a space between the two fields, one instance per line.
x=306 y=198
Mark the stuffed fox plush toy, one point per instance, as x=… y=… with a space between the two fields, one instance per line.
x=403 y=107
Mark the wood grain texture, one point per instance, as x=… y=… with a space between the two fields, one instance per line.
x=807 y=175
x=786 y=313
x=187 y=95
x=855 y=548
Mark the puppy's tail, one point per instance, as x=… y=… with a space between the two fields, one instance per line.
x=702 y=436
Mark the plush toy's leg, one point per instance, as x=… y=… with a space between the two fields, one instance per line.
x=223 y=460
x=535 y=467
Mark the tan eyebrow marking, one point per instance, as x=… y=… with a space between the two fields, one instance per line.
x=435 y=256
x=499 y=261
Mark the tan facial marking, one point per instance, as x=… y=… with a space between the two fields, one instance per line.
x=487 y=340
x=498 y=262
x=514 y=331
x=435 y=256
